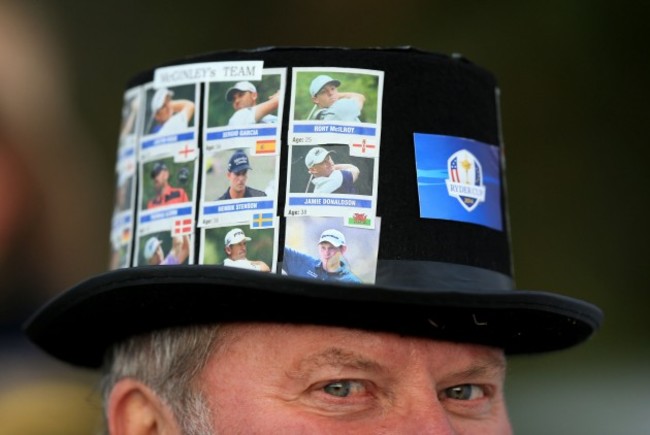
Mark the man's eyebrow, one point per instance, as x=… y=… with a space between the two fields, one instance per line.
x=334 y=357
x=489 y=365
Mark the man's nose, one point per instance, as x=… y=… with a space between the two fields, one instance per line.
x=424 y=414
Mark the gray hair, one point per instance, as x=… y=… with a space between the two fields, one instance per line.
x=168 y=361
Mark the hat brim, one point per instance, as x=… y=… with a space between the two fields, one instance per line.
x=82 y=323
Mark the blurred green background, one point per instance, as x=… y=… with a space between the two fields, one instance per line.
x=573 y=76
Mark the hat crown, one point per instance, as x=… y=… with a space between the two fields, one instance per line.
x=465 y=116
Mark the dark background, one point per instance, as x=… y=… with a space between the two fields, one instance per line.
x=573 y=76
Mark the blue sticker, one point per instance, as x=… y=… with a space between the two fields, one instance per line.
x=458 y=179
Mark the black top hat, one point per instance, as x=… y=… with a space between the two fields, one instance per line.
x=441 y=276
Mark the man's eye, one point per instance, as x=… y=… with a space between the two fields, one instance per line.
x=343 y=388
x=464 y=392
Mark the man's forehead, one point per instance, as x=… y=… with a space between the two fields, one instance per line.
x=314 y=346
x=336 y=357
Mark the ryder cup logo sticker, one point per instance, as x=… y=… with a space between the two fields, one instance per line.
x=458 y=179
x=465 y=182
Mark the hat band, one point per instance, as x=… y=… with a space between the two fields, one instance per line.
x=430 y=276
x=427 y=275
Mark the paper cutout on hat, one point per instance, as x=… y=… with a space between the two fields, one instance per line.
x=364 y=148
x=323 y=248
x=164 y=182
x=175 y=75
x=170 y=124
x=230 y=172
x=122 y=222
x=246 y=114
x=257 y=248
x=458 y=179
x=335 y=105
x=167 y=198
x=327 y=181
x=262 y=220
x=162 y=248
x=185 y=152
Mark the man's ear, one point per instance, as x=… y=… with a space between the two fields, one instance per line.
x=343 y=248
x=134 y=409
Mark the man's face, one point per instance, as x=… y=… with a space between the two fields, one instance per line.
x=323 y=169
x=160 y=180
x=165 y=112
x=237 y=251
x=238 y=180
x=326 y=96
x=326 y=251
x=278 y=378
x=242 y=99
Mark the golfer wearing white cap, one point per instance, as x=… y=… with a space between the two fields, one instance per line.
x=328 y=177
x=167 y=115
x=330 y=264
x=333 y=105
x=243 y=96
x=235 y=248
